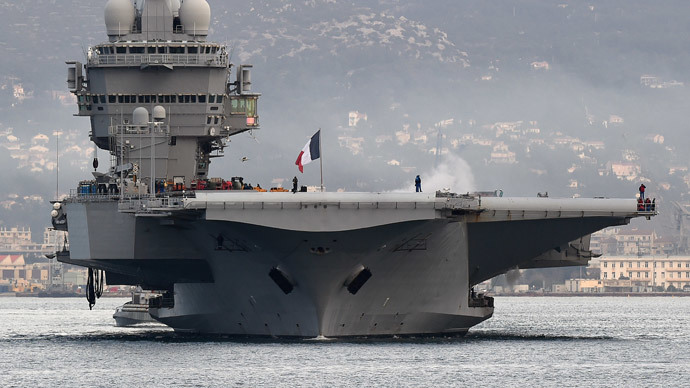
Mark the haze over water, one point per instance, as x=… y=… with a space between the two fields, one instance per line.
x=549 y=341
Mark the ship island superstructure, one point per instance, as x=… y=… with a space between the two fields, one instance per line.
x=162 y=102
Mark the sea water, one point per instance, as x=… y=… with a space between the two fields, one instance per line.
x=530 y=341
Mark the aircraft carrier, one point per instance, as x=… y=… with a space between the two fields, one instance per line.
x=163 y=102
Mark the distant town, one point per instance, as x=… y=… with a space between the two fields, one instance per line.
x=624 y=260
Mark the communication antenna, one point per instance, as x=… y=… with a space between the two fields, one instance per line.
x=232 y=50
x=85 y=51
x=250 y=133
x=439 y=145
x=57 y=165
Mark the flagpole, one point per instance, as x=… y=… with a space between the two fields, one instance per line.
x=321 y=159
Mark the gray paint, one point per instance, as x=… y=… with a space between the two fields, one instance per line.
x=424 y=251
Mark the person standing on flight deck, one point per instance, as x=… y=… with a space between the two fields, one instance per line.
x=294 y=184
x=642 y=187
x=418 y=184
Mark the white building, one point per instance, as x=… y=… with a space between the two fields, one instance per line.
x=649 y=271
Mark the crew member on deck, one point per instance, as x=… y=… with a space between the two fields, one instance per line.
x=294 y=184
x=418 y=184
x=642 y=187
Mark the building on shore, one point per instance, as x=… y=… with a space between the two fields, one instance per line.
x=18 y=241
x=665 y=273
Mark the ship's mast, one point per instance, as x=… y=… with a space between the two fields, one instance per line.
x=157 y=57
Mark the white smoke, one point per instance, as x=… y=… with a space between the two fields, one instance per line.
x=452 y=173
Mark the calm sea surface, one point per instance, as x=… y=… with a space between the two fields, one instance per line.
x=578 y=341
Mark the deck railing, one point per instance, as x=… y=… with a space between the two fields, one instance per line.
x=159 y=59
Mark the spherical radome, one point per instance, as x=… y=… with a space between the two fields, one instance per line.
x=195 y=16
x=158 y=113
x=140 y=116
x=119 y=17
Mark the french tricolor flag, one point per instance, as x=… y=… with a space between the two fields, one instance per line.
x=310 y=152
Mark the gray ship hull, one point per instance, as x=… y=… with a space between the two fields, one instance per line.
x=273 y=264
x=420 y=291
x=162 y=101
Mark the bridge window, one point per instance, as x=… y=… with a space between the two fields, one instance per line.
x=173 y=98
x=121 y=50
x=211 y=98
x=193 y=50
x=251 y=107
x=176 y=50
x=202 y=98
x=193 y=98
x=215 y=120
x=136 y=50
x=208 y=120
x=151 y=50
x=219 y=98
x=237 y=106
x=121 y=99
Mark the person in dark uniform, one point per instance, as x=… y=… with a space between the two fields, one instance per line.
x=294 y=184
x=418 y=184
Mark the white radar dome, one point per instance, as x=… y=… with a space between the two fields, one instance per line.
x=140 y=116
x=119 y=17
x=195 y=16
x=158 y=113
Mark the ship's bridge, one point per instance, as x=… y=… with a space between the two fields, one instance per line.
x=165 y=54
